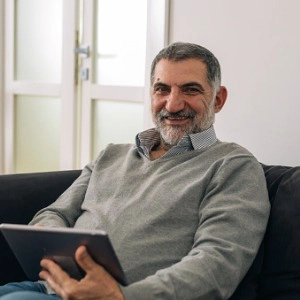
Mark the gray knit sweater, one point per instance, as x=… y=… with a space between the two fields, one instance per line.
x=184 y=227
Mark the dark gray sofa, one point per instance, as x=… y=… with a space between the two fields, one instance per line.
x=275 y=273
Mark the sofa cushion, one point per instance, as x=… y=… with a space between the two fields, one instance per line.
x=280 y=276
x=21 y=196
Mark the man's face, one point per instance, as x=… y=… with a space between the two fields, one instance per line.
x=182 y=99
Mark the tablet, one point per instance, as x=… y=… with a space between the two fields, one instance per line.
x=32 y=243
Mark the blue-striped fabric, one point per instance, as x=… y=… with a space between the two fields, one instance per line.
x=147 y=139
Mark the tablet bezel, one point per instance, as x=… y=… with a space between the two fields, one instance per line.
x=32 y=243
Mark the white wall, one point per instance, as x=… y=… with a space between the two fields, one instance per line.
x=258 y=45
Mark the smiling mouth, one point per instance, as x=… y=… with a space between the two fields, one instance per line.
x=175 y=120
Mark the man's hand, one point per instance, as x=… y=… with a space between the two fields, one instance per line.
x=96 y=284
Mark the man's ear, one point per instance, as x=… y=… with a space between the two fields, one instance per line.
x=220 y=98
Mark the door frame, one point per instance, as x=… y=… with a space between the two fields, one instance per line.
x=156 y=39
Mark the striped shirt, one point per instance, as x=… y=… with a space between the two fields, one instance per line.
x=150 y=138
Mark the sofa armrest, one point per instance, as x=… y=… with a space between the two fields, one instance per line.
x=21 y=196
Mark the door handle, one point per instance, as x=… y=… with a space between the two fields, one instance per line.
x=83 y=51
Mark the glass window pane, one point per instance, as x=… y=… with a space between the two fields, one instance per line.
x=37 y=134
x=121 y=42
x=38 y=44
x=115 y=122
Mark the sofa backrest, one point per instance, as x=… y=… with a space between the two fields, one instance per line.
x=280 y=275
x=275 y=272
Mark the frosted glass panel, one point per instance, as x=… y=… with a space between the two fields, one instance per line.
x=37 y=133
x=115 y=122
x=121 y=42
x=38 y=44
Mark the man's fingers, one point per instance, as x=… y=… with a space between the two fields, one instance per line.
x=45 y=275
x=84 y=260
x=55 y=277
x=52 y=271
x=97 y=283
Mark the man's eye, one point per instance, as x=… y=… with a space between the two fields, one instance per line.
x=191 y=90
x=161 y=89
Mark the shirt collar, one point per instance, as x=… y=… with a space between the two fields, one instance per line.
x=204 y=138
x=147 y=139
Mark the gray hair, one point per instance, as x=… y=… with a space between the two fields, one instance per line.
x=182 y=51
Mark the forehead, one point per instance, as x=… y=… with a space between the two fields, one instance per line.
x=179 y=72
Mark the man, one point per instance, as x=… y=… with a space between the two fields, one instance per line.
x=185 y=212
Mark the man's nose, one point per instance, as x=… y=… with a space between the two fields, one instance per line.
x=175 y=101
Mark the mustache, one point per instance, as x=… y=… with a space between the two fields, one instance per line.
x=185 y=114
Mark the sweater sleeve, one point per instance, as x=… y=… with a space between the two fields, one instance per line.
x=67 y=208
x=232 y=220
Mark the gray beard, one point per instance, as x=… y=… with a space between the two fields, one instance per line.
x=171 y=135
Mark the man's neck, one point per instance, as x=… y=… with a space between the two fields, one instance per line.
x=159 y=150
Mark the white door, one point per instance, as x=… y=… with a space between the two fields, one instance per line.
x=76 y=78
x=40 y=105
